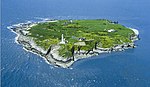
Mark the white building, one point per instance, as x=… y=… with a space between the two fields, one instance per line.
x=111 y=30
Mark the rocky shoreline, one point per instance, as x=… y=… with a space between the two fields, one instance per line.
x=52 y=55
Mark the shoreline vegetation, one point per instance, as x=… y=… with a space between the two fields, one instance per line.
x=62 y=42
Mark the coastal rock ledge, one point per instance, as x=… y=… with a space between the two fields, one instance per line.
x=52 y=53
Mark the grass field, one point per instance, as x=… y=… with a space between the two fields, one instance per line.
x=94 y=32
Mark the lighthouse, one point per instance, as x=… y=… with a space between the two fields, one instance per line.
x=62 y=39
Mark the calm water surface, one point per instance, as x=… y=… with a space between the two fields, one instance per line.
x=130 y=68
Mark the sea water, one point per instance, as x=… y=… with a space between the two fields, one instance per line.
x=130 y=68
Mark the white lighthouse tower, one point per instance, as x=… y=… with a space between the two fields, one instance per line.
x=62 y=39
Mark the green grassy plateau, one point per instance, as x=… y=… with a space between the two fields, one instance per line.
x=94 y=33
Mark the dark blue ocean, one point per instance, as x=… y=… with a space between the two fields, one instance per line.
x=130 y=68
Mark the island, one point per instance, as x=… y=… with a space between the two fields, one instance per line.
x=62 y=42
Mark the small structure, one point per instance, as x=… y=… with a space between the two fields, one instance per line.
x=62 y=39
x=111 y=30
x=82 y=39
x=71 y=21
